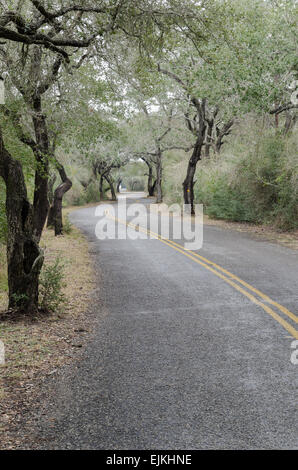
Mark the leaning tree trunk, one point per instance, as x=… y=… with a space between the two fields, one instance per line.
x=101 y=190
x=151 y=189
x=158 y=166
x=150 y=184
x=40 y=201
x=188 y=183
x=24 y=257
x=55 y=213
x=111 y=184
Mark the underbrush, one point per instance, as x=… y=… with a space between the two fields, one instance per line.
x=79 y=196
x=51 y=284
x=259 y=184
x=254 y=179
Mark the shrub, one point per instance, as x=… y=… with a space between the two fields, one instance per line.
x=135 y=183
x=258 y=182
x=91 y=194
x=51 y=296
x=67 y=226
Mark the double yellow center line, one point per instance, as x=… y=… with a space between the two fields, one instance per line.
x=226 y=276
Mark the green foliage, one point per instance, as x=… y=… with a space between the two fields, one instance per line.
x=256 y=184
x=135 y=183
x=67 y=226
x=51 y=296
x=19 y=298
x=91 y=194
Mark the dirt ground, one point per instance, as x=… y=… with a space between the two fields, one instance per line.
x=36 y=349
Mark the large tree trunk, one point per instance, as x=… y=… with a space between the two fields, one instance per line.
x=101 y=190
x=151 y=188
x=158 y=165
x=40 y=201
x=150 y=184
x=51 y=182
x=188 y=183
x=111 y=184
x=24 y=257
x=55 y=213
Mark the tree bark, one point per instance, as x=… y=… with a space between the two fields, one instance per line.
x=101 y=191
x=151 y=188
x=40 y=201
x=210 y=125
x=111 y=184
x=52 y=179
x=188 y=183
x=221 y=133
x=158 y=165
x=150 y=184
x=55 y=212
x=24 y=257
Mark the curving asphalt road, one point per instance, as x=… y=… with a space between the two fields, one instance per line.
x=182 y=359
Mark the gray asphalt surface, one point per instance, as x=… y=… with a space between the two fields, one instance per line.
x=180 y=359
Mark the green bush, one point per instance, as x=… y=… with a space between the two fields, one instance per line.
x=51 y=296
x=67 y=226
x=257 y=183
x=135 y=183
x=91 y=194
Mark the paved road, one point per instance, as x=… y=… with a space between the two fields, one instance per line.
x=183 y=359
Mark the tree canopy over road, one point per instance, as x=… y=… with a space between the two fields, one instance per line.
x=201 y=95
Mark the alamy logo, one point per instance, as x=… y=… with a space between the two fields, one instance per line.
x=2 y=353
x=136 y=222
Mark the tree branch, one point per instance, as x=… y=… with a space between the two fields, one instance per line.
x=16 y=120
x=283 y=107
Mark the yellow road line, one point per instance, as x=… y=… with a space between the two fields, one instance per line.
x=236 y=278
x=207 y=264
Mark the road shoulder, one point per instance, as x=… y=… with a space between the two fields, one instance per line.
x=36 y=350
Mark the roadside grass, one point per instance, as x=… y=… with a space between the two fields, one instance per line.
x=35 y=349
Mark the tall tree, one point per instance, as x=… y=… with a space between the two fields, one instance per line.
x=39 y=37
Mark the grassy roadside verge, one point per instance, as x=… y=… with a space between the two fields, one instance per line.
x=36 y=349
